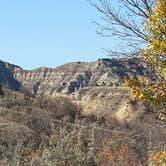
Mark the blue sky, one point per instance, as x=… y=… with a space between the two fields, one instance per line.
x=49 y=33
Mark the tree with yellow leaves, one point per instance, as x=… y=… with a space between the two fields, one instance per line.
x=155 y=56
x=142 y=23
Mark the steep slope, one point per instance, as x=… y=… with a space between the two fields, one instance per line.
x=6 y=76
x=95 y=89
x=72 y=77
x=97 y=86
x=39 y=125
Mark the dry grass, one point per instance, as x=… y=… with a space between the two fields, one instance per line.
x=51 y=131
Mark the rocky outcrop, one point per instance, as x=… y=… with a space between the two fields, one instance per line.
x=72 y=77
x=7 y=79
x=96 y=86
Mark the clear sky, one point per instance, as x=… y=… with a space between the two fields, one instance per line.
x=49 y=33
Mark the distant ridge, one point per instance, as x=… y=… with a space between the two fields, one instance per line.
x=71 y=77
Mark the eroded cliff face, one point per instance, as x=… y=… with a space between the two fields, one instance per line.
x=72 y=77
x=7 y=79
x=96 y=86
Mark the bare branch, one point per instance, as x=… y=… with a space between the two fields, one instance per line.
x=126 y=20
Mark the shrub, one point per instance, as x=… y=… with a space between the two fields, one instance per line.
x=59 y=108
x=39 y=121
x=12 y=137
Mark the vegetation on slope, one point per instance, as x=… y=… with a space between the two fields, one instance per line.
x=52 y=131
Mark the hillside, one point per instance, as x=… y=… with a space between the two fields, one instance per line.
x=53 y=131
x=97 y=86
x=77 y=105
x=6 y=76
x=71 y=77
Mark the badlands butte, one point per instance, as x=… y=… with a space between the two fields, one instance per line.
x=96 y=86
x=85 y=100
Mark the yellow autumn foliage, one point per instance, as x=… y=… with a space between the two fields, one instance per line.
x=154 y=55
x=159 y=158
